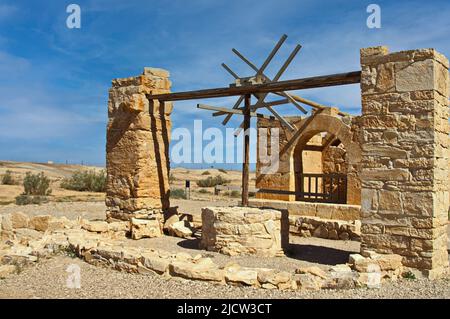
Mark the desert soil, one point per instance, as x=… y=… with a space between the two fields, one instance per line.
x=47 y=278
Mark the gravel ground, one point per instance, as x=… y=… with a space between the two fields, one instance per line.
x=48 y=280
x=96 y=210
x=303 y=252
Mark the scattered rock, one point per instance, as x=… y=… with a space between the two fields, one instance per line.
x=241 y=276
x=40 y=223
x=200 y=271
x=313 y=270
x=274 y=277
x=180 y=229
x=19 y=220
x=6 y=270
x=6 y=223
x=145 y=228
x=170 y=221
x=308 y=281
x=95 y=226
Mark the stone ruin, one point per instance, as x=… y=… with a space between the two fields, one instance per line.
x=394 y=158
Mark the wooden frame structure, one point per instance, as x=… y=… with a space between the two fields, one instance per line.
x=259 y=86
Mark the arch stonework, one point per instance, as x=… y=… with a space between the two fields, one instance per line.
x=326 y=121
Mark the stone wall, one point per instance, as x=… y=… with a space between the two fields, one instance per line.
x=301 y=153
x=320 y=210
x=405 y=184
x=138 y=136
x=243 y=230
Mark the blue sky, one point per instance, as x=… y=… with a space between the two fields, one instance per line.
x=54 y=81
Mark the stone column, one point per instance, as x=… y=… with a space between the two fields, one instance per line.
x=137 y=148
x=405 y=156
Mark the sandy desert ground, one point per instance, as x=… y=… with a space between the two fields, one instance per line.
x=47 y=278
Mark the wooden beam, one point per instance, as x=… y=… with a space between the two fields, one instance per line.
x=245 y=165
x=288 y=85
x=310 y=103
x=233 y=111
x=278 y=102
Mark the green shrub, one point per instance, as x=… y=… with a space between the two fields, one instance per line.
x=30 y=199
x=204 y=191
x=86 y=181
x=212 y=181
x=36 y=184
x=206 y=173
x=178 y=193
x=409 y=275
x=222 y=171
x=8 y=179
x=235 y=194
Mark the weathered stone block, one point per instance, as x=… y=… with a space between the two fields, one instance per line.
x=244 y=230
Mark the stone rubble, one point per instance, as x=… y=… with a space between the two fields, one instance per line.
x=327 y=229
x=97 y=243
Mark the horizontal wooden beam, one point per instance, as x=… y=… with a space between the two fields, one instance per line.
x=233 y=111
x=273 y=87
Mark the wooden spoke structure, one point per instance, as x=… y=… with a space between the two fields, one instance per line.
x=259 y=86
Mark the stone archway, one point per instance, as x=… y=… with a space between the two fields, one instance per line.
x=335 y=126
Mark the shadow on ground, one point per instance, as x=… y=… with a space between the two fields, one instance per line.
x=318 y=254
x=302 y=252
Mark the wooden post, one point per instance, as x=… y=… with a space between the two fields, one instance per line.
x=245 y=165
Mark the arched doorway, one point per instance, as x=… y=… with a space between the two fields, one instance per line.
x=326 y=162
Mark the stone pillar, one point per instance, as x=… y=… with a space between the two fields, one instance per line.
x=405 y=156
x=138 y=135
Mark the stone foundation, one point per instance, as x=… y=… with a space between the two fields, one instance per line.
x=243 y=230
x=325 y=228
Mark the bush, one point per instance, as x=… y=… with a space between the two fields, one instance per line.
x=36 y=184
x=409 y=275
x=204 y=191
x=212 y=181
x=206 y=173
x=86 y=181
x=172 y=178
x=222 y=171
x=29 y=199
x=178 y=193
x=235 y=194
x=8 y=179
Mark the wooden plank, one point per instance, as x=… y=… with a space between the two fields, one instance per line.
x=311 y=103
x=245 y=165
x=272 y=87
x=247 y=61
x=226 y=67
x=272 y=54
x=233 y=111
x=281 y=119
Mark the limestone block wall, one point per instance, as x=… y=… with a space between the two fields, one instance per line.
x=293 y=158
x=137 y=150
x=284 y=177
x=244 y=231
x=405 y=154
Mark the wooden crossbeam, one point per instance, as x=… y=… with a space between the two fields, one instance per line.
x=233 y=111
x=300 y=130
x=311 y=103
x=273 y=87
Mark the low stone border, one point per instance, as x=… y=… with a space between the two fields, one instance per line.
x=97 y=243
x=305 y=226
